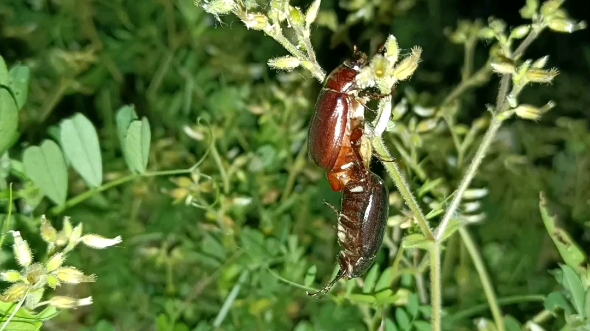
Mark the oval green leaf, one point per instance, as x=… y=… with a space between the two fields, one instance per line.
x=19 y=84
x=137 y=143
x=8 y=120
x=79 y=141
x=125 y=115
x=46 y=167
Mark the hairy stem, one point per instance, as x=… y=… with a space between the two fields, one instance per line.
x=484 y=278
x=403 y=188
x=486 y=142
x=435 y=286
x=90 y=193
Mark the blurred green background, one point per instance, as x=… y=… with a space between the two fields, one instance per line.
x=178 y=264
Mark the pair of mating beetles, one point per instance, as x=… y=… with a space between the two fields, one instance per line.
x=337 y=143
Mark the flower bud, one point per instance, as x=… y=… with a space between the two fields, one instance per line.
x=55 y=262
x=22 y=251
x=256 y=22
x=219 y=7
x=100 y=242
x=15 y=292
x=540 y=75
x=53 y=281
x=566 y=25
x=312 y=12
x=72 y=275
x=503 y=68
x=284 y=63
x=475 y=193
x=296 y=17
x=407 y=67
x=540 y=63
x=549 y=7
x=391 y=49
x=10 y=276
x=470 y=207
x=426 y=125
x=520 y=32
x=486 y=34
x=48 y=232
x=528 y=112
x=63 y=302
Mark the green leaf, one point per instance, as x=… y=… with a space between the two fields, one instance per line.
x=310 y=275
x=19 y=84
x=24 y=319
x=454 y=225
x=146 y=138
x=125 y=115
x=429 y=185
x=422 y=326
x=80 y=144
x=402 y=319
x=389 y=325
x=556 y=300
x=384 y=280
x=362 y=298
x=371 y=279
x=511 y=323
x=135 y=143
x=4 y=77
x=570 y=252
x=416 y=240
x=8 y=120
x=46 y=167
x=385 y=297
x=573 y=284
x=413 y=305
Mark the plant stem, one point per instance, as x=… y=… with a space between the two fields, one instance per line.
x=402 y=186
x=466 y=181
x=487 y=139
x=435 y=286
x=484 y=277
x=502 y=301
x=90 y=193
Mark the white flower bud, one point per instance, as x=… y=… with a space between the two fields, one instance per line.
x=22 y=251
x=100 y=242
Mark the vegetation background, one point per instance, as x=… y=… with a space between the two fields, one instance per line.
x=260 y=221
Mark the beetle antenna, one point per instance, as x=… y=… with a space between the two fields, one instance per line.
x=329 y=286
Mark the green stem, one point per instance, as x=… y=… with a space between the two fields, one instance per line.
x=219 y=163
x=402 y=186
x=484 y=277
x=435 y=286
x=502 y=301
x=316 y=70
x=90 y=193
x=466 y=181
x=487 y=139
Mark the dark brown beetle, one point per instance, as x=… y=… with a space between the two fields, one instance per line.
x=361 y=226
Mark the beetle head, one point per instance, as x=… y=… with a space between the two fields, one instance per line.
x=357 y=61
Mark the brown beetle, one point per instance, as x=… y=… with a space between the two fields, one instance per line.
x=339 y=112
x=361 y=226
x=330 y=126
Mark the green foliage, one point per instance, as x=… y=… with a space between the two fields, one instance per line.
x=161 y=123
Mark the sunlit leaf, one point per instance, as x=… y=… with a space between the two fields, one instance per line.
x=79 y=140
x=8 y=120
x=46 y=167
